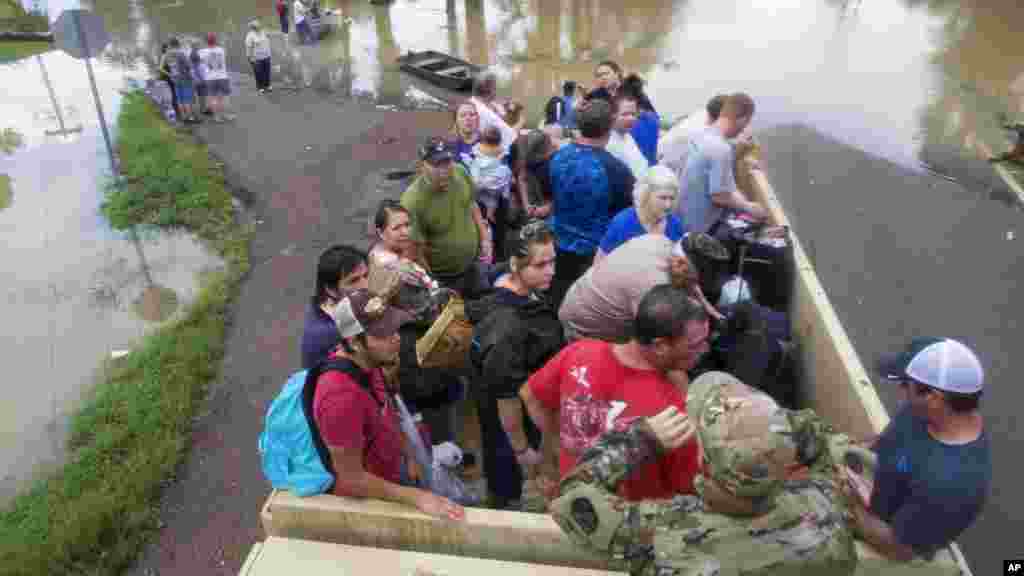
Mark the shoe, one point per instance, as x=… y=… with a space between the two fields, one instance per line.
x=261 y=91
x=270 y=88
x=229 y=117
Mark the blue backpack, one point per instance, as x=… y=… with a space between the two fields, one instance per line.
x=292 y=452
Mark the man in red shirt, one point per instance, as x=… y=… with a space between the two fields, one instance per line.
x=359 y=422
x=592 y=386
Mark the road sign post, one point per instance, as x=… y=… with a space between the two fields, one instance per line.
x=81 y=34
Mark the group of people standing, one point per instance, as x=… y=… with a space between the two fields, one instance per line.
x=584 y=279
x=195 y=73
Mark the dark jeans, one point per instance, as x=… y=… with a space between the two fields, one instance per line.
x=569 y=266
x=174 y=96
x=304 y=31
x=284 y=21
x=261 y=69
x=504 y=478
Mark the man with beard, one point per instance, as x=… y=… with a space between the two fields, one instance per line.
x=357 y=416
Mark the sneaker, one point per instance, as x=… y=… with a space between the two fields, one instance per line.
x=229 y=117
x=270 y=88
x=261 y=91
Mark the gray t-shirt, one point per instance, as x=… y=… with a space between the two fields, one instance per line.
x=709 y=170
x=602 y=303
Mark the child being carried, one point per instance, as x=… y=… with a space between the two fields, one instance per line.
x=491 y=175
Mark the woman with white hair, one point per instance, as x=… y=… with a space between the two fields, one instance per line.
x=655 y=195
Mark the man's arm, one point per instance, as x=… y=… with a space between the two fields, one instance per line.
x=356 y=482
x=879 y=535
x=735 y=201
x=723 y=189
x=591 y=513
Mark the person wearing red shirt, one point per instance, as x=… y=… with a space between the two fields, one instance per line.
x=359 y=424
x=593 y=386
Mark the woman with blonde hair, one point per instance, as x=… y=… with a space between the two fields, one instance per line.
x=465 y=132
x=655 y=197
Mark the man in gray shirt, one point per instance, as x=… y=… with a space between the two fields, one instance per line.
x=710 y=185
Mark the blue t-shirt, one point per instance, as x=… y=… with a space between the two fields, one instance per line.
x=709 y=170
x=626 y=225
x=645 y=132
x=319 y=336
x=463 y=152
x=588 y=186
x=928 y=491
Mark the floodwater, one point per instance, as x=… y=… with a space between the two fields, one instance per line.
x=74 y=291
x=925 y=84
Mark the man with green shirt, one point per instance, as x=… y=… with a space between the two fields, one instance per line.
x=447 y=225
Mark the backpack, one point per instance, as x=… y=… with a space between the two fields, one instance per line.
x=292 y=452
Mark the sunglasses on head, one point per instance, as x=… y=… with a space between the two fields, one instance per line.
x=530 y=232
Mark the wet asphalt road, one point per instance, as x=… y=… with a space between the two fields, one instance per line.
x=903 y=254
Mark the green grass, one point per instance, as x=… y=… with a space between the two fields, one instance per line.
x=95 y=513
x=6 y=191
x=11 y=50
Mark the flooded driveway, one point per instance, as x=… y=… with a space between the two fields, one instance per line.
x=74 y=291
x=923 y=87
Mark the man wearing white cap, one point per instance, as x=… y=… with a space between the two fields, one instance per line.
x=934 y=463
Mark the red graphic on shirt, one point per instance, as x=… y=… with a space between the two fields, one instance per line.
x=585 y=419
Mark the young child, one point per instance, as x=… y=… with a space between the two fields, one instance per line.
x=490 y=173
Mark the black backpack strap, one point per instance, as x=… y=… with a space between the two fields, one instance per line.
x=309 y=393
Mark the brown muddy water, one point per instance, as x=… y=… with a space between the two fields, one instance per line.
x=926 y=84
x=75 y=292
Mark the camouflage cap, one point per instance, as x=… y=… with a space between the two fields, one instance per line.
x=747 y=440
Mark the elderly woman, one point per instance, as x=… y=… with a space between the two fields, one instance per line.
x=516 y=331
x=465 y=133
x=655 y=197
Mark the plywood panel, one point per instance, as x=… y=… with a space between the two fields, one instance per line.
x=279 y=556
x=494 y=534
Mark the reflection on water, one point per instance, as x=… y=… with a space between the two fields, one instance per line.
x=881 y=76
x=74 y=291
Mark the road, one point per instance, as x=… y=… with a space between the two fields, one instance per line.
x=903 y=254
x=306 y=167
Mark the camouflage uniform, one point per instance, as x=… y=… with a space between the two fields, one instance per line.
x=749 y=445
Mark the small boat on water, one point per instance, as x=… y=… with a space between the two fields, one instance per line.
x=440 y=69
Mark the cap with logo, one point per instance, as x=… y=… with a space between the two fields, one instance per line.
x=436 y=149
x=941 y=363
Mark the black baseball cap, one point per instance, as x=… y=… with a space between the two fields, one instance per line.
x=435 y=150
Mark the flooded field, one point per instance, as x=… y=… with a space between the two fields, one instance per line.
x=74 y=291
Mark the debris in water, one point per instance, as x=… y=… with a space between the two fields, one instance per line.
x=308 y=148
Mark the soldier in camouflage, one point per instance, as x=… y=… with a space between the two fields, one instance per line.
x=770 y=497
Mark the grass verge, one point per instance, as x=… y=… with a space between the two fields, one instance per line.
x=93 y=515
x=11 y=50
